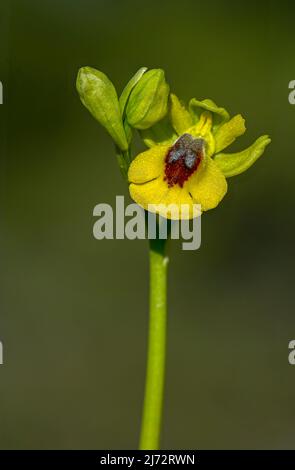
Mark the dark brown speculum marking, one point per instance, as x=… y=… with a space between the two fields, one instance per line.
x=183 y=159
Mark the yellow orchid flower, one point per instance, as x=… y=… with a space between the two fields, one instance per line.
x=184 y=164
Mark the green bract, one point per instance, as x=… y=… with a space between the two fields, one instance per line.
x=99 y=96
x=147 y=103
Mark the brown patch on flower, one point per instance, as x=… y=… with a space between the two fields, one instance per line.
x=183 y=159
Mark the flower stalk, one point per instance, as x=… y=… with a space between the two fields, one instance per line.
x=155 y=374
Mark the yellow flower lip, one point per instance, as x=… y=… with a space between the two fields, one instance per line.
x=150 y=188
x=183 y=159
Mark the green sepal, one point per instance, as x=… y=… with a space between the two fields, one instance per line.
x=129 y=87
x=228 y=132
x=99 y=96
x=180 y=117
x=147 y=102
x=232 y=164
x=161 y=133
x=219 y=115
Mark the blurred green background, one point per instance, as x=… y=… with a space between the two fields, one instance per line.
x=74 y=312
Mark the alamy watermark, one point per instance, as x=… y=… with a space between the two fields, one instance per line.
x=291 y=357
x=132 y=222
x=292 y=93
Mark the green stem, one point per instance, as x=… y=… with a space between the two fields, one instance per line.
x=152 y=409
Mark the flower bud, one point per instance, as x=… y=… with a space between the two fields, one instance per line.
x=147 y=103
x=99 y=96
x=123 y=100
